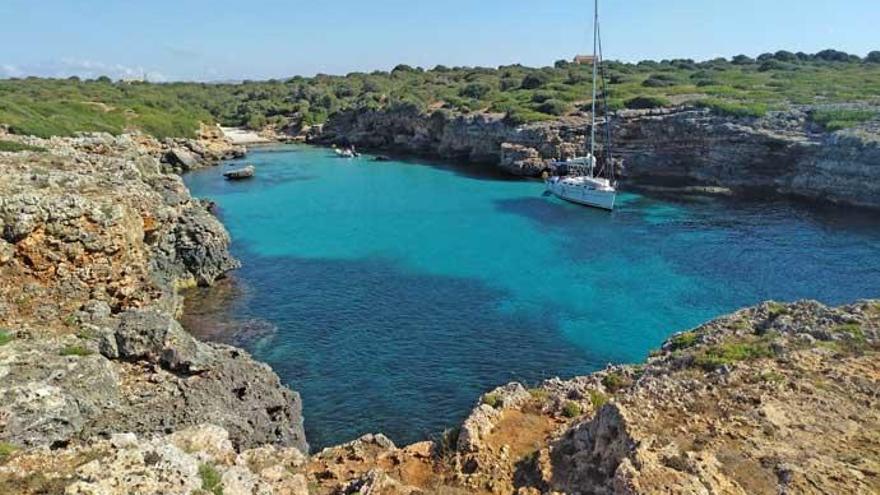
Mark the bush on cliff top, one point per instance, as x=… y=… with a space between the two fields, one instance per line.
x=47 y=107
x=211 y=480
x=716 y=356
x=837 y=119
x=646 y=102
x=733 y=109
x=16 y=147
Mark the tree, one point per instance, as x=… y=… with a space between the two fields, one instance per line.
x=833 y=56
x=561 y=64
x=785 y=56
x=873 y=57
x=742 y=60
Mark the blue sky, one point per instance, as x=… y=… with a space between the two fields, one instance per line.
x=257 y=39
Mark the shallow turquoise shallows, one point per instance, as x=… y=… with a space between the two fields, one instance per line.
x=399 y=291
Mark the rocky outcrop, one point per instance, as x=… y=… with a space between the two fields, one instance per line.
x=684 y=147
x=96 y=240
x=182 y=463
x=771 y=399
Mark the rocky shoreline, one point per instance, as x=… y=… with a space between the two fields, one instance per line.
x=105 y=393
x=781 y=153
x=98 y=236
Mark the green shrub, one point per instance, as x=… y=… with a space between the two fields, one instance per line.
x=643 y=102
x=615 y=381
x=835 y=120
x=554 y=107
x=16 y=147
x=6 y=449
x=598 y=399
x=477 y=90
x=211 y=479
x=683 y=340
x=76 y=350
x=492 y=400
x=659 y=81
x=727 y=353
x=5 y=337
x=539 y=394
x=853 y=330
x=571 y=409
x=775 y=309
x=535 y=80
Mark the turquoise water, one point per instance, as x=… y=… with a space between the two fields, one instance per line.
x=401 y=290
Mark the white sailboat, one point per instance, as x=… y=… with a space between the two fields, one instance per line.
x=582 y=185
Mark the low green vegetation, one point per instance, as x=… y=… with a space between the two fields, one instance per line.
x=492 y=400
x=734 y=108
x=6 y=449
x=211 y=479
x=598 y=399
x=772 y=377
x=76 y=350
x=852 y=330
x=539 y=394
x=837 y=119
x=571 y=409
x=646 y=102
x=740 y=86
x=683 y=341
x=615 y=381
x=715 y=356
x=14 y=147
x=775 y=309
x=5 y=337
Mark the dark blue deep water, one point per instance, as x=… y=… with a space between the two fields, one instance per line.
x=399 y=291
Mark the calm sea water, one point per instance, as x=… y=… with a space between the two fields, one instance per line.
x=397 y=291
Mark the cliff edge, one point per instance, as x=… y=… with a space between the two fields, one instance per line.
x=96 y=240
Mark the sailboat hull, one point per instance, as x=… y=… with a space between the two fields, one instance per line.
x=595 y=198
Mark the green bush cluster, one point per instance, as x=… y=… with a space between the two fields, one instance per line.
x=598 y=399
x=76 y=350
x=742 y=86
x=645 y=102
x=615 y=381
x=211 y=479
x=5 y=337
x=837 y=119
x=7 y=449
x=492 y=400
x=16 y=147
x=716 y=356
x=571 y=409
x=683 y=340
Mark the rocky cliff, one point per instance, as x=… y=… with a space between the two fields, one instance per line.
x=96 y=240
x=771 y=399
x=103 y=392
x=686 y=147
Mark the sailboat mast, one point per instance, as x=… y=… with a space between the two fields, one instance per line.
x=595 y=77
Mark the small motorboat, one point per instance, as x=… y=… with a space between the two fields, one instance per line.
x=241 y=173
x=346 y=152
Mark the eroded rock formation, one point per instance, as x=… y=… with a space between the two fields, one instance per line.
x=96 y=240
x=685 y=147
